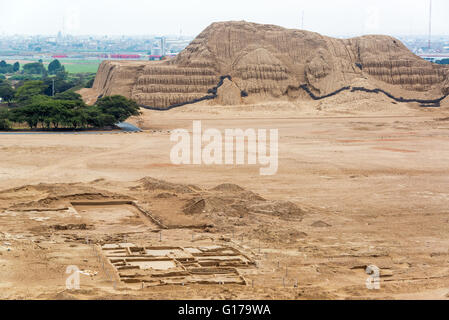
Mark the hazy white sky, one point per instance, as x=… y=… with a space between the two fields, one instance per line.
x=142 y=17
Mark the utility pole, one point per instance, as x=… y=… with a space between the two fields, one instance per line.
x=430 y=25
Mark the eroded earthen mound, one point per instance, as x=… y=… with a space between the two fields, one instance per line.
x=241 y=204
x=270 y=60
x=151 y=184
x=228 y=187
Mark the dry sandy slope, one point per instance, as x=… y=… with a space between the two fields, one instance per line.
x=372 y=186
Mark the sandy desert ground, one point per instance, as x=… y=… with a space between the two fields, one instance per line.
x=359 y=183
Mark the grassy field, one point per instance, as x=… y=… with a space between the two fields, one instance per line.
x=81 y=66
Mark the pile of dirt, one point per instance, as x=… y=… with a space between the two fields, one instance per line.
x=267 y=60
x=152 y=185
x=233 y=200
x=320 y=224
x=236 y=191
x=182 y=205
x=284 y=209
x=211 y=204
x=165 y=195
x=228 y=187
x=240 y=207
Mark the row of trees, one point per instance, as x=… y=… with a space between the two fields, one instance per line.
x=7 y=92
x=47 y=85
x=64 y=110
x=34 y=68
x=443 y=61
x=9 y=68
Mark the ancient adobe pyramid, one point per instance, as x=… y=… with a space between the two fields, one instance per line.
x=267 y=60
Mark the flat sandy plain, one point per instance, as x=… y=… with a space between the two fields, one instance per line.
x=370 y=179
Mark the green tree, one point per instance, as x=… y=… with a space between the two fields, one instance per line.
x=5 y=67
x=16 y=66
x=29 y=89
x=443 y=61
x=34 y=68
x=6 y=91
x=4 y=122
x=46 y=112
x=68 y=95
x=27 y=114
x=55 y=67
x=25 y=77
x=65 y=110
x=90 y=83
x=97 y=119
x=60 y=84
x=119 y=107
x=62 y=74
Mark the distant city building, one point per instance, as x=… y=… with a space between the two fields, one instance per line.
x=156 y=52
x=94 y=47
x=163 y=46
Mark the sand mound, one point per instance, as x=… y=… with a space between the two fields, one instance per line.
x=236 y=191
x=320 y=224
x=267 y=60
x=208 y=205
x=151 y=184
x=228 y=187
x=241 y=204
x=283 y=209
x=165 y=195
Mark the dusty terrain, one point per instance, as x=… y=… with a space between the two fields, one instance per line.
x=360 y=182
